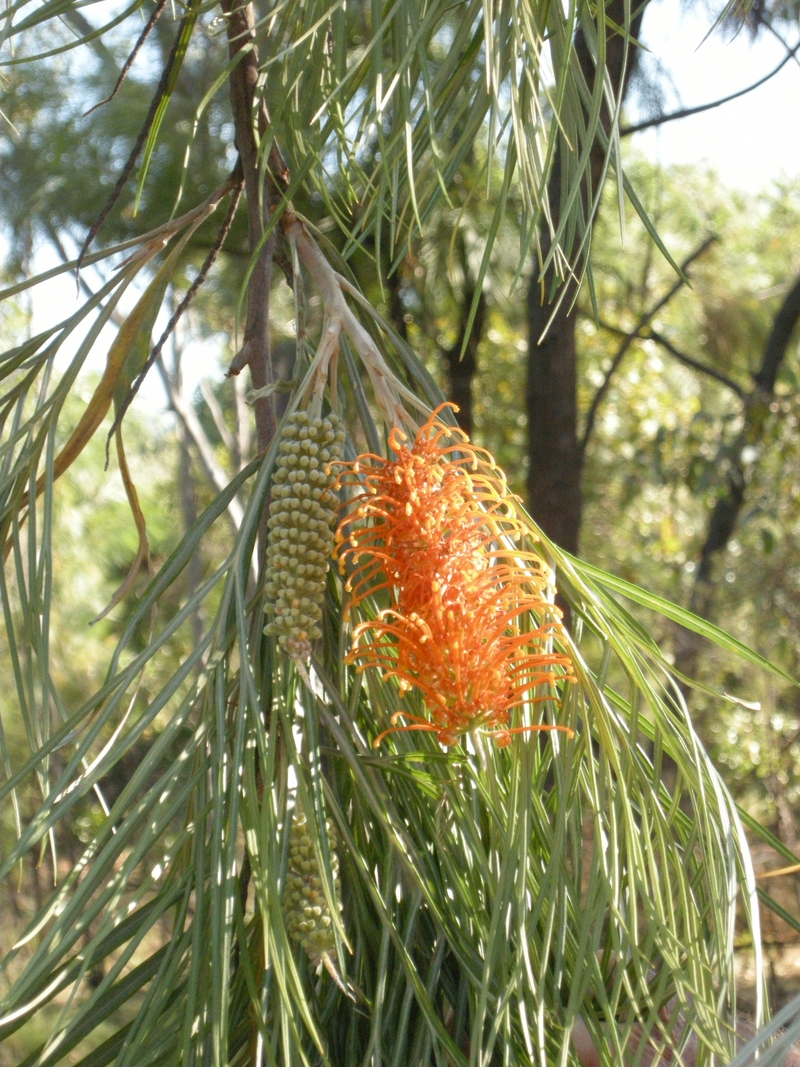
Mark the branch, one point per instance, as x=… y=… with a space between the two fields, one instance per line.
x=728 y=506
x=762 y=21
x=685 y=112
x=653 y=335
x=695 y=364
x=778 y=341
x=591 y=415
x=157 y=10
x=122 y=181
x=726 y=510
x=255 y=351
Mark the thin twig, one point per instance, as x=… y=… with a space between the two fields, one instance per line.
x=250 y=117
x=650 y=334
x=695 y=364
x=130 y=163
x=132 y=57
x=591 y=415
x=216 y=247
x=685 y=112
x=761 y=21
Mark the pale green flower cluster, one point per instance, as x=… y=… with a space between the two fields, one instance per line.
x=301 y=527
x=306 y=911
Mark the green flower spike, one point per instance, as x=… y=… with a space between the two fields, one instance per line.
x=301 y=525
x=306 y=911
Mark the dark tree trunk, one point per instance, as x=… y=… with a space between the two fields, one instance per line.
x=727 y=509
x=461 y=369
x=554 y=456
x=461 y=361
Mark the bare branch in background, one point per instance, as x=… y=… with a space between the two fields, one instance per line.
x=725 y=513
x=695 y=364
x=591 y=415
x=649 y=334
x=130 y=163
x=778 y=341
x=148 y=27
x=685 y=112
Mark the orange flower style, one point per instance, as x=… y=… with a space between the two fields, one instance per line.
x=469 y=623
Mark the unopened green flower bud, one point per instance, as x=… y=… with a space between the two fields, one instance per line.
x=301 y=530
x=306 y=912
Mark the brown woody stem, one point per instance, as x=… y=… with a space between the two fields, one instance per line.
x=255 y=352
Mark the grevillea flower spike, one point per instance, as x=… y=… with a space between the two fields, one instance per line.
x=469 y=624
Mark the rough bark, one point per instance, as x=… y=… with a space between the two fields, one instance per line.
x=554 y=458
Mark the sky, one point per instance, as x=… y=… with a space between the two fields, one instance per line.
x=750 y=142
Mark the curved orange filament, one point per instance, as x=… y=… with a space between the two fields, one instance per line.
x=471 y=623
x=503 y=737
x=417 y=724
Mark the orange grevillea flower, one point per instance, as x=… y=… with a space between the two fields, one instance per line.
x=470 y=625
